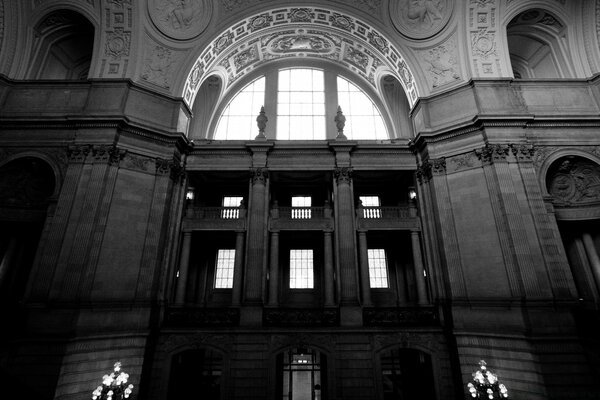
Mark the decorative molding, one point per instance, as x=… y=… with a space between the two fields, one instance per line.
x=300 y=317
x=117 y=44
x=108 y=154
x=523 y=152
x=392 y=317
x=343 y=175
x=181 y=341
x=424 y=172
x=78 y=153
x=278 y=341
x=574 y=180
x=483 y=33
x=180 y=19
x=259 y=175
x=118 y=22
x=420 y=19
x=492 y=153
x=329 y=26
x=441 y=63
x=158 y=65
x=137 y=162
x=462 y=162
x=407 y=340
x=199 y=317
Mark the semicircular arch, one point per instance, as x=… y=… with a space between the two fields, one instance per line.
x=300 y=32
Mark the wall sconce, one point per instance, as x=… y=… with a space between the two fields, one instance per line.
x=412 y=193
x=189 y=195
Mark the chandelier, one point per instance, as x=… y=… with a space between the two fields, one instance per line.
x=485 y=384
x=114 y=386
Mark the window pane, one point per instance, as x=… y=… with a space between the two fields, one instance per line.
x=301 y=104
x=301 y=269
x=378 y=275
x=231 y=207
x=224 y=269
x=363 y=120
x=238 y=120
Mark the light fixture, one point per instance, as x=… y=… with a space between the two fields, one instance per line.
x=412 y=193
x=485 y=384
x=114 y=386
x=189 y=195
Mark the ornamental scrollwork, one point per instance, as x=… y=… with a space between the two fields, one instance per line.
x=574 y=180
x=259 y=175
x=493 y=152
x=523 y=152
x=78 y=153
x=343 y=175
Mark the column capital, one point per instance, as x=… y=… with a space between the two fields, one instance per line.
x=343 y=174
x=259 y=175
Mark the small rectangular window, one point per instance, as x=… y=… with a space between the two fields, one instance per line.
x=301 y=207
x=371 y=206
x=301 y=269
x=378 y=272
x=231 y=207
x=224 y=269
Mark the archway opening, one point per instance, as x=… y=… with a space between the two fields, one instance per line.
x=535 y=43
x=301 y=374
x=63 y=47
x=407 y=374
x=196 y=371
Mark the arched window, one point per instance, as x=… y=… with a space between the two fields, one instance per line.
x=363 y=118
x=196 y=371
x=238 y=120
x=303 y=104
x=407 y=374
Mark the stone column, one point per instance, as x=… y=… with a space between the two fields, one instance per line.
x=345 y=237
x=7 y=259
x=590 y=249
x=418 y=266
x=328 y=275
x=365 y=282
x=236 y=292
x=257 y=221
x=274 y=271
x=184 y=264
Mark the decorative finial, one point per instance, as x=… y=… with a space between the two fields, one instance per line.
x=261 y=122
x=340 y=123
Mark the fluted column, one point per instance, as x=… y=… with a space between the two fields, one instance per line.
x=345 y=236
x=418 y=266
x=365 y=283
x=236 y=292
x=257 y=221
x=274 y=271
x=184 y=264
x=329 y=299
x=592 y=253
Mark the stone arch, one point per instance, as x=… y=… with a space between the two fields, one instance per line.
x=62 y=43
x=541 y=32
x=333 y=35
x=27 y=180
x=553 y=157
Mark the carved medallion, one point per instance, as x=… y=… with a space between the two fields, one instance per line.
x=303 y=43
x=181 y=19
x=420 y=19
x=574 y=180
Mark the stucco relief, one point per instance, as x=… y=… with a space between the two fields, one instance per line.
x=441 y=63
x=419 y=19
x=158 y=65
x=574 y=180
x=181 y=19
x=118 y=43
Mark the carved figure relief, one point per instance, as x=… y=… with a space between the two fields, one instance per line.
x=181 y=19
x=574 y=180
x=308 y=43
x=419 y=19
x=441 y=63
x=158 y=65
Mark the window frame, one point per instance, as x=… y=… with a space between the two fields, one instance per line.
x=231 y=269
x=372 y=268
x=270 y=71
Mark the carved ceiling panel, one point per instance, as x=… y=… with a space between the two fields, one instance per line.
x=300 y=32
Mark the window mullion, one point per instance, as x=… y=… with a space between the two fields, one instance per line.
x=331 y=103
x=271 y=103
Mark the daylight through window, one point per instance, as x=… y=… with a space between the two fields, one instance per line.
x=301 y=269
x=224 y=269
x=378 y=274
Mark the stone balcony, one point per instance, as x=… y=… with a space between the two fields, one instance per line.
x=214 y=218
x=301 y=218
x=392 y=218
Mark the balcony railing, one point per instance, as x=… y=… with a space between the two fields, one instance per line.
x=301 y=218
x=400 y=217
x=215 y=218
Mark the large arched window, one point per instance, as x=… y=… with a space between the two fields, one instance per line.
x=237 y=121
x=301 y=104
